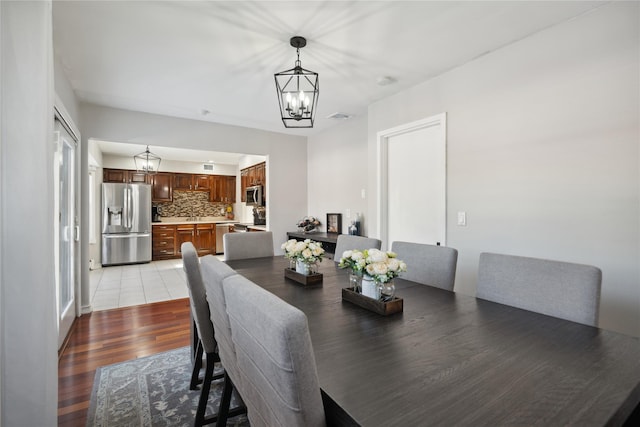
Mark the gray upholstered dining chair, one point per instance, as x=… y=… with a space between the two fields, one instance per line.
x=428 y=264
x=214 y=272
x=254 y=244
x=275 y=357
x=555 y=288
x=206 y=341
x=346 y=242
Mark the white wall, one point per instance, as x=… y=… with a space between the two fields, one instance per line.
x=543 y=153
x=286 y=154
x=28 y=334
x=120 y=162
x=95 y=163
x=338 y=171
x=64 y=91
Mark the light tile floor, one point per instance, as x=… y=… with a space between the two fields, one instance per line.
x=127 y=285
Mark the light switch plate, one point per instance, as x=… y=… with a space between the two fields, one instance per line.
x=462 y=218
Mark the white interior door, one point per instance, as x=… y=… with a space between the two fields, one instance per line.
x=413 y=182
x=67 y=229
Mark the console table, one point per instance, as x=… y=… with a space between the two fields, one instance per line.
x=328 y=240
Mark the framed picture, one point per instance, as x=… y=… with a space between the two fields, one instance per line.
x=334 y=223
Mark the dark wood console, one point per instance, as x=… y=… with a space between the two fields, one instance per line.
x=328 y=240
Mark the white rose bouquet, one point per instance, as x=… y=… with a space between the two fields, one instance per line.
x=307 y=251
x=354 y=260
x=381 y=266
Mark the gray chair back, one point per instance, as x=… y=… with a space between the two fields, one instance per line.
x=197 y=297
x=346 y=242
x=559 y=289
x=428 y=264
x=214 y=272
x=275 y=357
x=254 y=244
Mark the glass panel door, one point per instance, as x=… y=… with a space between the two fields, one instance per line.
x=67 y=230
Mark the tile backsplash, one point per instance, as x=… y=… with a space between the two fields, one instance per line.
x=185 y=201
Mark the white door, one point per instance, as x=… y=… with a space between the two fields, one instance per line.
x=67 y=229
x=413 y=182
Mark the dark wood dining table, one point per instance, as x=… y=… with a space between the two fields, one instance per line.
x=452 y=359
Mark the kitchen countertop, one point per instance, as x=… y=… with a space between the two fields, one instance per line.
x=253 y=227
x=178 y=220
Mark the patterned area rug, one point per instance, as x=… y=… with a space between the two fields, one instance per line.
x=151 y=391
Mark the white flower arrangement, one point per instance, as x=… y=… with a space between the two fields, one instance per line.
x=380 y=265
x=307 y=251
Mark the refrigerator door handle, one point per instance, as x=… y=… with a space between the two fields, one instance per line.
x=125 y=208
x=126 y=214
x=130 y=207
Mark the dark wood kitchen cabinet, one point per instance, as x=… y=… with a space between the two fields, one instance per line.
x=253 y=175
x=163 y=241
x=202 y=182
x=167 y=239
x=162 y=187
x=201 y=235
x=139 y=177
x=182 y=181
x=114 y=175
x=125 y=175
x=223 y=189
x=231 y=189
x=261 y=174
x=184 y=233
x=191 y=182
x=205 y=239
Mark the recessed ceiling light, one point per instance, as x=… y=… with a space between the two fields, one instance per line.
x=385 y=80
x=210 y=161
x=342 y=116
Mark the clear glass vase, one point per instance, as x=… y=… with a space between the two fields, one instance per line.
x=386 y=290
x=355 y=282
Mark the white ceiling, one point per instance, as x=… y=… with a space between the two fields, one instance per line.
x=178 y=58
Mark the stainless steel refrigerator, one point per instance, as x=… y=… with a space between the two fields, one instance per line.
x=126 y=223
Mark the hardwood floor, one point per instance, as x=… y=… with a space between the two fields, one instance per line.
x=111 y=336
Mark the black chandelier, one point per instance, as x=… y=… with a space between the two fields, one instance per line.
x=147 y=162
x=298 y=91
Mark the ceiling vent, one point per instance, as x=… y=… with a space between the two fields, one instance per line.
x=208 y=167
x=339 y=116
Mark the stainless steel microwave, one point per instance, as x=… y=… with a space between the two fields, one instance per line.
x=253 y=196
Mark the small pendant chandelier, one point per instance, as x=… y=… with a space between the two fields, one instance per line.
x=147 y=162
x=298 y=91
